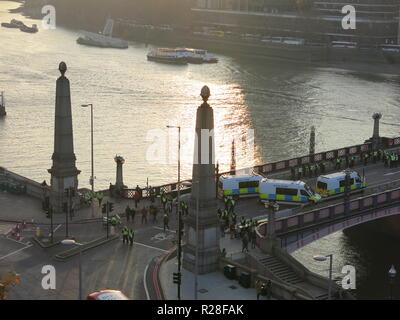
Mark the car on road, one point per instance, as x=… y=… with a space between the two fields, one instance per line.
x=107 y=295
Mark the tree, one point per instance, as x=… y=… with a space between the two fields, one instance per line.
x=7 y=282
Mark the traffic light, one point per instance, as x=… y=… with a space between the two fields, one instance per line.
x=104 y=208
x=65 y=207
x=110 y=207
x=177 y=277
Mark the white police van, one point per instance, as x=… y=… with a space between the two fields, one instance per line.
x=335 y=183
x=297 y=192
x=240 y=185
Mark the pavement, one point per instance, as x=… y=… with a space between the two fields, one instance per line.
x=212 y=286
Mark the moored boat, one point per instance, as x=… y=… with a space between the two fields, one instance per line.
x=27 y=29
x=104 y=39
x=13 y=24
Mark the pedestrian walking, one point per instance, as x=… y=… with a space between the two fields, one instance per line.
x=133 y=213
x=127 y=213
x=144 y=215
x=166 y=221
x=253 y=238
x=258 y=286
x=269 y=289
x=245 y=242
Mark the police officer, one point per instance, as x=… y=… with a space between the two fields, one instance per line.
x=375 y=156
x=385 y=159
x=322 y=167
x=125 y=234
x=352 y=159
x=365 y=158
x=131 y=236
x=338 y=163
x=312 y=170
x=300 y=171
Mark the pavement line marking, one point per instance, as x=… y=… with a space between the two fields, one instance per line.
x=20 y=242
x=147 y=246
x=12 y=253
x=55 y=229
x=390 y=173
x=145 y=282
x=163 y=229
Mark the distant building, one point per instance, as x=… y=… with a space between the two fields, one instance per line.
x=377 y=21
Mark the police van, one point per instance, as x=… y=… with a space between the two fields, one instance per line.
x=287 y=191
x=334 y=183
x=243 y=185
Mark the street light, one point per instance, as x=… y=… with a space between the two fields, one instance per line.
x=392 y=275
x=91 y=126
x=324 y=258
x=70 y=242
x=179 y=205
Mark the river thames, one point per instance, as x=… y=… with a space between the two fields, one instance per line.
x=134 y=99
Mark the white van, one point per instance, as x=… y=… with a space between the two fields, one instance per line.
x=334 y=183
x=287 y=191
x=243 y=185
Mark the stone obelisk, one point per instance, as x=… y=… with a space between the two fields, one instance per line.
x=64 y=173
x=203 y=194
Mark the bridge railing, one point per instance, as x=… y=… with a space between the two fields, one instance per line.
x=305 y=219
x=31 y=188
x=284 y=165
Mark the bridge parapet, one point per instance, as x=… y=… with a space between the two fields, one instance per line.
x=32 y=188
x=298 y=230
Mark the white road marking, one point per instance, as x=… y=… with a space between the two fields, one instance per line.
x=12 y=253
x=145 y=282
x=55 y=229
x=145 y=245
x=20 y=242
x=390 y=173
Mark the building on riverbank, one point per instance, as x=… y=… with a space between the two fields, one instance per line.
x=377 y=22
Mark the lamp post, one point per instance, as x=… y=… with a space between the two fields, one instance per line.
x=179 y=207
x=197 y=242
x=324 y=258
x=392 y=275
x=92 y=176
x=70 y=242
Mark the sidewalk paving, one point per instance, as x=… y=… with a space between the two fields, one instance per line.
x=211 y=286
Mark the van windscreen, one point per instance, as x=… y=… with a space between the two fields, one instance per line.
x=322 y=185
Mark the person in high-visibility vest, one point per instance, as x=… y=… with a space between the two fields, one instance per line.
x=125 y=234
x=131 y=236
x=300 y=171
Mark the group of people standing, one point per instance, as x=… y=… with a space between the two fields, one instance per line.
x=244 y=228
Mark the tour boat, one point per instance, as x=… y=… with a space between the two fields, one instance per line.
x=198 y=56
x=167 y=55
x=27 y=29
